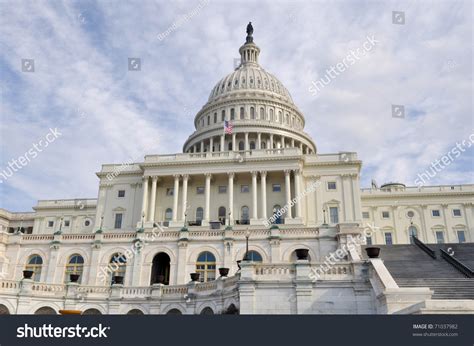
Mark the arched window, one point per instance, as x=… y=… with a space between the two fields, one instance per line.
x=135 y=312
x=263 y=145
x=75 y=265
x=412 y=232
x=279 y=118
x=215 y=118
x=199 y=214
x=278 y=215
x=118 y=264
x=223 y=115
x=254 y=256
x=252 y=113
x=242 y=113
x=168 y=214
x=252 y=145
x=208 y=120
x=45 y=310
x=229 y=146
x=222 y=215
x=35 y=263
x=244 y=215
x=271 y=114
x=92 y=312
x=232 y=114
x=241 y=145
x=207 y=311
x=206 y=266
x=262 y=113
x=174 y=312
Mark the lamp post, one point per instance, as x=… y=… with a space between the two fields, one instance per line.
x=324 y=215
x=247 y=236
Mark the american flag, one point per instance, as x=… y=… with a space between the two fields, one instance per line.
x=228 y=127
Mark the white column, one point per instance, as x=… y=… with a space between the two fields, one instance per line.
x=175 y=197
x=145 y=197
x=208 y=197
x=246 y=141
x=231 y=198
x=298 y=193
x=259 y=141
x=288 y=193
x=185 y=196
x=263 y=183
x=222 y=142
x=233 y=142
x=194 y=148
x=271 y=141
x=292 y=143
x=202 y=146
x=211 y=144
x=283 y=141
x=154 y=180
x=254 y=196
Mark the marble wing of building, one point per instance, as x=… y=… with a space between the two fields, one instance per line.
x=250 y=218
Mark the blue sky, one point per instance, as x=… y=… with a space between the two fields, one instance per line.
x=106 y=114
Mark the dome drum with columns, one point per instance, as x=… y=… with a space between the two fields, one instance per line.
x=259 y=107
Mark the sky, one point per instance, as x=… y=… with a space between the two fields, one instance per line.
x=69 y=100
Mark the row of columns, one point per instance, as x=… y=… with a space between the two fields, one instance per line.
x=282 y=142
x=149 y=204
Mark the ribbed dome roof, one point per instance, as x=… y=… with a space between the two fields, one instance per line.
x=249 y=77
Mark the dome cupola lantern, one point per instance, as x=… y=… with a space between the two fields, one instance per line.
x=249 y=51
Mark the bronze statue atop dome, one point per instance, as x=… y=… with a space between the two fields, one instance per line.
x=249 y=38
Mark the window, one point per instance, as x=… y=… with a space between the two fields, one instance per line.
x=118 y=264
x=388 y=238
x=168 y=214
x=440 y=237
x=385 y=214
x=215 y=118
x=263 y=145
x=200 y=190
x=67 y=223
x=87 y=223
x=276 y=188
x=365 y=215
x=221 y=212
x=222 y=189
x=331 y=185
x=206 y=266
x=208 y=120
x=461 y=237
x=169 y=191
x=242 y=114
x=457 y=212
x=435 y=213
x=35 y=264
x=241 y=145
x=232 y=114
x=50 y=223
x=333 y=215
x=118 y=221
x=262 y=113
x=75 y=266
x=244 y=188
x=254 y=256
x=245 y=216
x=229 y=146
x=199 y=214
x=121 y=193
x=271 y=114
x=223 y=115
x=252 y=145
x=410 y=214
x=368 y=240
x=412 y=232
x=252 y=113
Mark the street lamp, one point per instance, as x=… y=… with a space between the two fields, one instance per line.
x=324 y=215
x=247 y=236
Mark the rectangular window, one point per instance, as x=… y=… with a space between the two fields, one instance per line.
x=435 y=213
x=200 y=190
x=456 y=212
x=169 y=191
x=368 y=240
x=222 y=189
x=365 y=215
x=121 y=193
x=118 y=221
x=388 y=238
x=440 y=237
x=50 y=223
x=385 y=215
x=461 y=237
x=276 y=188
x=223 y=116
x=331 y=185
x=333 y=215
x=244 y=188
x=67 y=223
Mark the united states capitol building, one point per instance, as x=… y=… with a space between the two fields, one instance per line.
x=251 y=210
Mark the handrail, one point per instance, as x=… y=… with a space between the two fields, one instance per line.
x=457 y=264
x=424 y=247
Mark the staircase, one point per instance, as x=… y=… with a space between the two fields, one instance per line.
x=461 y=288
